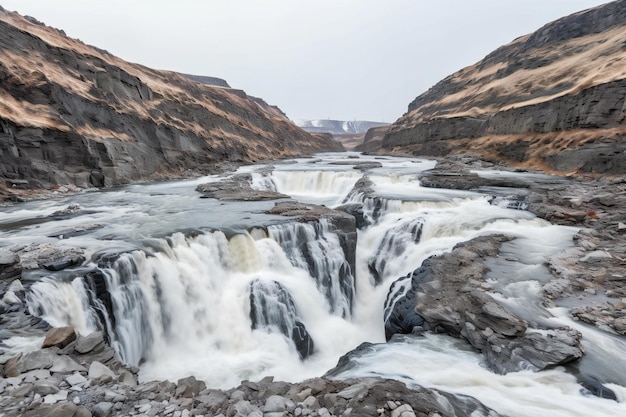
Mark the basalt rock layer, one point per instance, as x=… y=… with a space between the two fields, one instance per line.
x=554 y=100
x=72 y=114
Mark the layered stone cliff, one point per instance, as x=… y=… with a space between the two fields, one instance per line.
x=74 y=114
x=554 y=99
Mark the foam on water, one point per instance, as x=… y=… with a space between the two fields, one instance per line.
x=180 y=303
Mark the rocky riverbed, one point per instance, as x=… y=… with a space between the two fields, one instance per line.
x=65 y=373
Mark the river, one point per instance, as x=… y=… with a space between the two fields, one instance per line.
x=223 y=291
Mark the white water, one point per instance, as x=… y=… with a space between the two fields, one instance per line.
x=182 y=304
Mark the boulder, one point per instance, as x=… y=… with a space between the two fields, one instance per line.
x=59 y=337
x=39 y=359
x=98 y=370
x=448 y=294
x=86 y=344
x=189 y=387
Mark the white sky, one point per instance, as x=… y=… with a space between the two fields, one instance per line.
x=315 y=59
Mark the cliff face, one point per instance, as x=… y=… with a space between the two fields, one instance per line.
x=554 y=99
x=73 y=114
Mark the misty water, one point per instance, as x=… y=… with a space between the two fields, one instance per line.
x=185 y=275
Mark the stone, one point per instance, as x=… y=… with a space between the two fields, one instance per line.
x=76 y=379
x=128 y=378
x=55 y=398
x=86 y=344
x=59 y=337
x=45 y=388
x=114 y=397
x=103 y=409
x=189 y=387
x=620 y=325
x=212 y=399
x=311 y=402
x=9 y=297
x=275 y=403
x=65 y=364
x=39 y=359
x=404 y=410
x=98 y=370
x=56 y=410
x=241 y=408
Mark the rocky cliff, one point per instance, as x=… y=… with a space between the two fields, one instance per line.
x=554 y=100
x=74 y=114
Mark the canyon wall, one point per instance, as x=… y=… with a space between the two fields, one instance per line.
x=553 y=100
x=74 y=114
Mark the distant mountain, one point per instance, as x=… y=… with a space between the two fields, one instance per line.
x=554 y=99
x=74 y=114
x=337 y=127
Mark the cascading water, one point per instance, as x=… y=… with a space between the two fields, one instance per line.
x=314 y=248
x=242 y=295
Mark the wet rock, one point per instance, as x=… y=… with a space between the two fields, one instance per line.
x=272 y=307
x=59 y=337
x=448 y=296
x=237 y=188
x=50 y=256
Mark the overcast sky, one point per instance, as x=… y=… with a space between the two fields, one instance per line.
x=315 y=59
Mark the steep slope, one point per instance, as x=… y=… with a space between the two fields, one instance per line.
x=553 y=99
x=73 y=114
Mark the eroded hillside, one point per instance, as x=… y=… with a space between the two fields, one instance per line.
x=553 y=100
x=73 y=114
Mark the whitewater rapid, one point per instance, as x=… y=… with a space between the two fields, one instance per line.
x=184 y=278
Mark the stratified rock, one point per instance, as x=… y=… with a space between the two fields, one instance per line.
x=531 y=102
x=53 y=257
x=237 y=188
x=446 y=295
x=102 y=121
x=59 y=337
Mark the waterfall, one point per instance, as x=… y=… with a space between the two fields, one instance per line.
x=183 y=289
x=320 y=187
x=268 y=295
x=314 y=248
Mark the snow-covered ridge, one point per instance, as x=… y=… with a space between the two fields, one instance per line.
x=337 y=127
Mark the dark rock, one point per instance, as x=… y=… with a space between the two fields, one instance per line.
x=447 y=296
x=271 y=306
x=553 y=118
x=123 y=122
x=599 y=390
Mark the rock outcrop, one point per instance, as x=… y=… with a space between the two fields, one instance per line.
x=448 y=294
x=72 y=114
x=553 y=100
